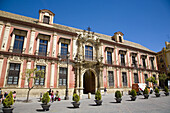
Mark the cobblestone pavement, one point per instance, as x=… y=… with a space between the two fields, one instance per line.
x=141 y=105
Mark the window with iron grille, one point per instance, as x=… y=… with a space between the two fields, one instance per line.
x=40 y=79
x=43 y=47
x=62 y=76
x=124 y=78
x=146 y=77
x=144 y=63
x=152 y=65
x=88 y=53
x=134 y=61
x=13 y=75
x=109 y=57
x=111 y=78
x=122 y=59
x=18 y=44
x=136 y=79
x=46 y=19
x=64 y=50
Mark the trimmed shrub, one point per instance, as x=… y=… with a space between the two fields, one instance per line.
x=8 y=101
x=133 y=93
x=166 y=89
x=98 y=95
x=46 y=98
x=76 y=98
x=146 y=91
x=156 y=90
x=118 y=94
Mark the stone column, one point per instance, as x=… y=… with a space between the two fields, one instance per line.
x=80 y=82
x=130 y=78
x=118 y=82
x=6 y=36
x=32 y=41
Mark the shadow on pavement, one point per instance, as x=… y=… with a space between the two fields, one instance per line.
x=40 y=110
x=93 y=105
x=114 y=102
x=128 y=100
x=71 y=107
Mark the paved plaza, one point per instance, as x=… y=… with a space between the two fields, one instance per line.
x=141 y=105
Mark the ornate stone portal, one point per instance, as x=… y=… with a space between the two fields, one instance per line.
x=89 y=73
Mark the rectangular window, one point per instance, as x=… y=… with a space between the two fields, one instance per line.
x=154 y=76
x=152 y=65
x=120 y=39
x=43 y=47
x=143 y=61
x=111 y=78
x=64 y=50
x=18 y=44
x=146 y=77
x=124 y=78
x=134 y=61
x=13 y=75
x=88 y=53
x=62 y=76
x=46 y=19
x=122 y=59
x=40 y=79
x=136 y=80
x=109 y=57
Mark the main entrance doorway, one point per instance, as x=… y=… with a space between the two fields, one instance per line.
x=89 y=82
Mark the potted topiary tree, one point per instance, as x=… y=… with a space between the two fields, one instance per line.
x=98 y=98
x=76 y=100
x=157 y=92
x=133 y=94
x=45 y=101
x=7 y=103
x=146 y=93
x=118 y=96
x=166 y=91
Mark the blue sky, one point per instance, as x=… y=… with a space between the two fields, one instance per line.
x=146 y=22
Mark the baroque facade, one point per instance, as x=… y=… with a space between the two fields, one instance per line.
x=163 y=60
x=96 y=60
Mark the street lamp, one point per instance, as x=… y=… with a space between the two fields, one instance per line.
x=67 y=58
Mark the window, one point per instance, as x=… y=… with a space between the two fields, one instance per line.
x=120 y=39
x=154 y=76
x=146 y=77
x=41 y=79
x=62 y=76
x=136 y=80
x=88 y=53
x=64 y=50
x=152 y=66
x=46 y=19
x=18 y=44
x=111 y=78
x=134 y=61
x=122 y=59
x=161 y=60
x=13 y=75
x=124 y=78
x=143 y=61
x=109 y=57
x=43 y=48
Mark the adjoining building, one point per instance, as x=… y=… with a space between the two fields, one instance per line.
x=96 y=60
x=163 y=60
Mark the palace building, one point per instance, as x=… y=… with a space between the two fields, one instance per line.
x=83 y=60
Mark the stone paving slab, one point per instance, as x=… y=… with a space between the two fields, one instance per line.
x=141 y=105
